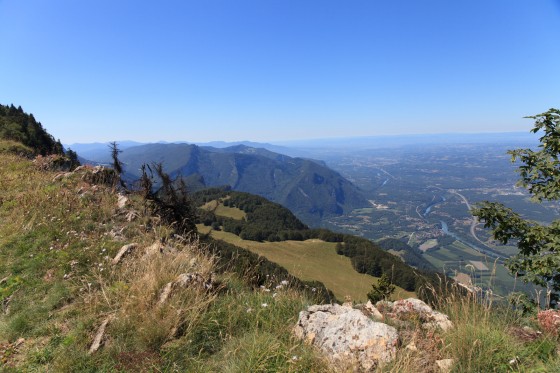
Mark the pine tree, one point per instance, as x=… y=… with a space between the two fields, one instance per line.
x=382 y=290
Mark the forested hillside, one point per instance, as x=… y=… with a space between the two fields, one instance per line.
x=16 y=125
x=309 y=189
x=268 y=221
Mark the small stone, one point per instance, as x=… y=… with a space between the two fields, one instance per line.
x=370 y=310
x=183 y=281
x=122 y=201
x=63 y=175
x=131 y=215
x=98 y=340
x=123 y=251
x=412 y=347
x=155 y=248
x=165 y=293
x=347 y=302
x=445 y=365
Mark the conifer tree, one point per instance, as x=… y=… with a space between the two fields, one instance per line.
x=382 y=290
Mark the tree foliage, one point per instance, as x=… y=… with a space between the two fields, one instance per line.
x=538 y=260
x=19 y=126
x=171 y=201
x=382 y=290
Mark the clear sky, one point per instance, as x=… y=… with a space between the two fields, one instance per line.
x=267 y=70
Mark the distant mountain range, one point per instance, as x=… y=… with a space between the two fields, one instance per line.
x=307 y=187
x=329 y=147
x=97 y=150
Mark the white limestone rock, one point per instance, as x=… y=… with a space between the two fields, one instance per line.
x=347 y=337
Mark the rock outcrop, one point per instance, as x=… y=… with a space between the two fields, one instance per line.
x=351 y=339
x=347 y=337
x=549 y=321
x=415 y=309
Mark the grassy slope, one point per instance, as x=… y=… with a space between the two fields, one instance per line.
x=308 y=260
x=50 y=229
x=225 y=211
x=57 y=286
x=312 y=260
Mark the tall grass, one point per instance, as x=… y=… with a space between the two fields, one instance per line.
x=57 y=241
x=483 y=338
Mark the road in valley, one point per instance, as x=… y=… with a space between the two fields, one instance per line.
x=474 y=222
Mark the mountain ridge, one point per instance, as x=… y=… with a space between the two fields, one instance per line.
x=307 y=187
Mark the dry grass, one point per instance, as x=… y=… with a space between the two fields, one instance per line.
x=57 y=240
x=130 y=296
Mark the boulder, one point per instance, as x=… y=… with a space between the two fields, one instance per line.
x=347 y=337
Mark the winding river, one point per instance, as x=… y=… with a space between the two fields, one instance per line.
x=429 y=208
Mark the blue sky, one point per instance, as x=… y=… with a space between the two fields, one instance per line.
x=270 y=70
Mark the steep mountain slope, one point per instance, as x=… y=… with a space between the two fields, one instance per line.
x=306 y=187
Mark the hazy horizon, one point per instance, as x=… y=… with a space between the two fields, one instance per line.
x=342 y=142
x=278 y=70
